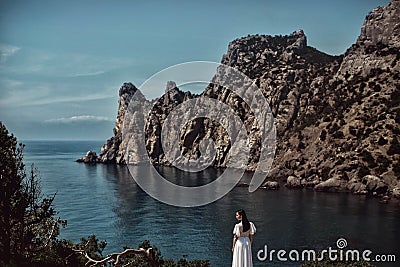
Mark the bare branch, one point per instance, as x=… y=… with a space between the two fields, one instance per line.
x=52 y=231
x=116 y=257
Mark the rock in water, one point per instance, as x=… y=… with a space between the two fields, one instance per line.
x=330 y=185
x=374 y=185
x=293 y=182
x=270 y=185
x=90 y=157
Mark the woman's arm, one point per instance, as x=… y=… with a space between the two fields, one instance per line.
x=234 y=242
x=251 y=238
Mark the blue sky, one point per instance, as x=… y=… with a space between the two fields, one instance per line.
x=62 y=62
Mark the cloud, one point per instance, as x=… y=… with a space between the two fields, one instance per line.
x=80 y=118
x=18 y=93
x=40 y=77
x=49 y=63
x=6 y=51
x=11 y=83
x=66 y=99
x=95 y=73
x=15 y=92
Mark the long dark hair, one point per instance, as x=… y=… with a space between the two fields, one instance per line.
x=245 y=221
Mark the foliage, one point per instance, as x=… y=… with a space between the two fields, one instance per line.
x=194 y=263
x=27 y=222
x=394 y=147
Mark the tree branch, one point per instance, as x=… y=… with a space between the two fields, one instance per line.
x=116 y=257
x=55 y=224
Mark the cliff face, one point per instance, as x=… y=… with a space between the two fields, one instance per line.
x=337 y=117
x=111 y=151
x=378 y=44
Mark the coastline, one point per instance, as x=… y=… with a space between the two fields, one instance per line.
x=369 y=189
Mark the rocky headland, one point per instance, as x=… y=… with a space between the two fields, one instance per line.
x=337 y=117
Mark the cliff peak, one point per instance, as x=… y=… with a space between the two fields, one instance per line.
x=127 y=88
x=170 y=85
x=256 y=54
x=382 y=25
x=296 y=38
x=378 y=45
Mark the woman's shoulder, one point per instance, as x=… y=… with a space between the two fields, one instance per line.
x=252 y=228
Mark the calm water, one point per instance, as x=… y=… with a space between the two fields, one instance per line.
x=104 y=200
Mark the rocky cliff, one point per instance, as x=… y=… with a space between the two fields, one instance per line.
x=337 y=117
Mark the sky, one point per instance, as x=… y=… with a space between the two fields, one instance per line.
x=63 y=62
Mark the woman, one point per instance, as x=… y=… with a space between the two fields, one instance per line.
x=242 y=239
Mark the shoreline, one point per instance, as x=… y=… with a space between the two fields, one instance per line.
x=384 y=198
x=368 y=189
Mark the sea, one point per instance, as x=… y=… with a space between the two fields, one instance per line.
x=105 y=200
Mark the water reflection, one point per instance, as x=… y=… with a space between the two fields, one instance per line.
x=284 y=219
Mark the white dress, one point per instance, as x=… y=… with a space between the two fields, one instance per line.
x=242 y=256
